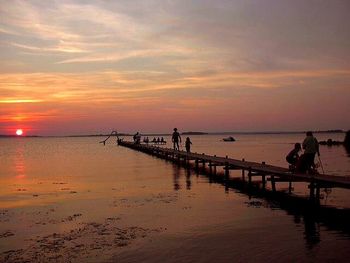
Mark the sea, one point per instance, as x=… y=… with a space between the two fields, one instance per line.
x=73 y=199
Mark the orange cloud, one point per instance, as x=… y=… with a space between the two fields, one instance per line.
x=85 y=99
x=19 y=101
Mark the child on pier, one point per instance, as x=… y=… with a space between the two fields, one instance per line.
x=188 y=144
x=293 y=156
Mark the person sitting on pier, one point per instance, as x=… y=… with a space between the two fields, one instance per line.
x=293 y=156
x=176 y=138
x=310 y=146
x=188 y=144
x=162 y=140
x=154 y=140
x=158 y=140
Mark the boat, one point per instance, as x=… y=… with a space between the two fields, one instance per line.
x=229 y=139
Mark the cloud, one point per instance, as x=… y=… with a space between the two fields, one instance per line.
x=12 y=100
x=119 y=58
x=60 y=48
x=104 y=35
x=178 y=36
x=118 y=86
x=62 y=27
x=7 y=31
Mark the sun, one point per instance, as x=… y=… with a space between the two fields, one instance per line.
x=19 y=132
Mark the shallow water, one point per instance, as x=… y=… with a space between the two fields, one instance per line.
x=72 y=199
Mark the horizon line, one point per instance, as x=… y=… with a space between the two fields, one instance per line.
x=185 y=132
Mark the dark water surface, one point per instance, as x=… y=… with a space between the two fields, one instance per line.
x=74 y=200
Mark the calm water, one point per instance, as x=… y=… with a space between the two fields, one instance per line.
x=72 y=199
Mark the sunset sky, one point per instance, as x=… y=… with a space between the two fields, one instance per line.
x=82 y=67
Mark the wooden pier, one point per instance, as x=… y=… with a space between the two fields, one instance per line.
x=268 y=173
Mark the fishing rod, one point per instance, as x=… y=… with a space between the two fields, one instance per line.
x=113 y=132
x=326 y=190
x=321 y=163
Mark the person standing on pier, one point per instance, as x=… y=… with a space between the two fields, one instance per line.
x=310 y=146
x=188 y=144
x=176 y=138
x=137 y=138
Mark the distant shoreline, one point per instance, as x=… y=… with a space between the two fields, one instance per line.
x=168 y=134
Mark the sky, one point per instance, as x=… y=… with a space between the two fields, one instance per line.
x=86 y=67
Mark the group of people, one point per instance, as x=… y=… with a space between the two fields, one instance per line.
x=298 y=163
x=305 y=162
x=156 y=141
x=175 y=138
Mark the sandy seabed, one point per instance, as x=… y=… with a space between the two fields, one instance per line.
x=44 y=234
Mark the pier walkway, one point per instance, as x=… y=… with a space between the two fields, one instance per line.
x=267 y=172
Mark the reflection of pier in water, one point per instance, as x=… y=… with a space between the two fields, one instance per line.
x=298 y=206
x=310 y=217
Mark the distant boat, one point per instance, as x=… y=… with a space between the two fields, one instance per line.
x=229 y=139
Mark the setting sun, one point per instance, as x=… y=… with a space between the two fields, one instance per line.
x=19 y=132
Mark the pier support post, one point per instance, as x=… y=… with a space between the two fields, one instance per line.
x=214 y=166
x=312 y=190
x=227 y=171
x=250 y=176
x=263 y=177
x=290 y=186
x=243 y=171
x=317 y=193
x=273 y=183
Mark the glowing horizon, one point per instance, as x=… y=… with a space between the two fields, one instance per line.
x=88 y=67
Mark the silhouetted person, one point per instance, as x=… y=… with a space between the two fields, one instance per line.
x=176 y=138
x=310 y=146
x=293 y=156
x=188 y=144
x=302 y=164
x=154 y=140
x=158 y=140
x=162 y=140
x=137 y=138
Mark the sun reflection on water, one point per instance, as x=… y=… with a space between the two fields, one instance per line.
x=19 y=163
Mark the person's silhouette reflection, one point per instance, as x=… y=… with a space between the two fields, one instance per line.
x=312 y=232
x=188 y=179
x=176 y=176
